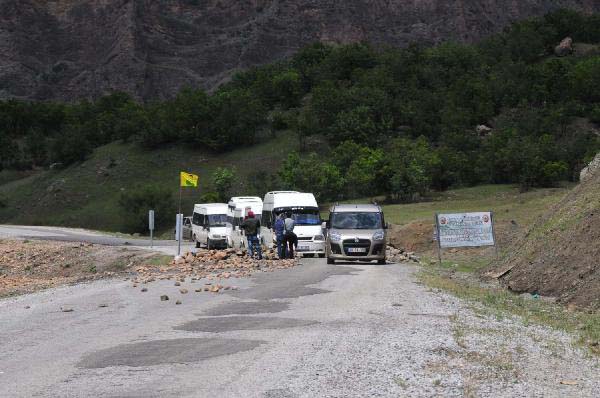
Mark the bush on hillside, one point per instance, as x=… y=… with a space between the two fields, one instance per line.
x=309 y=174
x=135 y=203
x=223 y=180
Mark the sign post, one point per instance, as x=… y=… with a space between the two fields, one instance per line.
x=151 y=226
x=494 y=233
x=185 y=180
x=178 y=234
x=437 y=237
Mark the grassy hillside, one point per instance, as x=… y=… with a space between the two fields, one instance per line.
x=559 y=255
x=86 y=194
x=506 y=201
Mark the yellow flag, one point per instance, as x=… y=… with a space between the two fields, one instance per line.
x=188 y=180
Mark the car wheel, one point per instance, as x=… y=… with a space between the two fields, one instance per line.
x=381 y=262
x=197 y=243
x=330 y=261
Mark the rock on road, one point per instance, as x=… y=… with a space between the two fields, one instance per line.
x=316 y=330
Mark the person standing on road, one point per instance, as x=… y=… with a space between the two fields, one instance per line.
x=279 y=228
x=290 y=237
x=251 y=226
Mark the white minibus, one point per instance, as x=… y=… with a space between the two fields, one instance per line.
x=305 y=212
x=238 y=209
x=209 y=225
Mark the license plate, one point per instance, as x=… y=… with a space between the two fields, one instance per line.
x=303 y=248
x=357 y=250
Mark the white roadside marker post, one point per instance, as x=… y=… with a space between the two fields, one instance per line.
x=151 y=227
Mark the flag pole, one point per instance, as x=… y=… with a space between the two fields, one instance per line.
x=179 y=222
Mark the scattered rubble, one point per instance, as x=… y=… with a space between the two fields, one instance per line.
x=164 y=297
x=210 y=264
x=401 y=255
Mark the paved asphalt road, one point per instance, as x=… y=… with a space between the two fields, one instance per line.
x=306 y=331
x=316 y=330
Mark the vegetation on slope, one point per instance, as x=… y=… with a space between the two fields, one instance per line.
x=100 y=192
x=367 y=121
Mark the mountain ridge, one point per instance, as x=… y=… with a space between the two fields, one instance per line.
x=72 y=49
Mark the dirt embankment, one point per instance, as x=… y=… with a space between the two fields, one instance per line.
x=559 y=256
x=418 y=237
x=27 y=266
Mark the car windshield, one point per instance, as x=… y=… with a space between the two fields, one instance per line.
x=217 y=220
x=356 y=220
x=306 y=217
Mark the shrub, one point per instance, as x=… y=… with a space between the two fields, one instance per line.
x=223 y=180
x=136 y=202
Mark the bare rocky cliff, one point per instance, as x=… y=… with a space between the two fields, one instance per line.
x=69 y=49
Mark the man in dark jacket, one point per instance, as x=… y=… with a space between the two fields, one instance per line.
x=252 y=227
x=279 y=228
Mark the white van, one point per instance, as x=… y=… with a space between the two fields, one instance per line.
x=209 y=225
x=305 y=213
x=238 y=209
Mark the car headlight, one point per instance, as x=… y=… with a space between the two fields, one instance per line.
x=319 y=237
x=379 y=235
x=335 y=236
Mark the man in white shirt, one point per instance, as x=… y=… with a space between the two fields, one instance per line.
x=290 y=237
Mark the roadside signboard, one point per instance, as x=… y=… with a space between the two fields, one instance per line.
x=465 y=229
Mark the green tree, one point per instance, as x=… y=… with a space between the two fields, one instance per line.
x=362 y=168
x=73 y=146
x=309 y=173
x=135 y=203
x=409 y=169
x=586 y=80
x=223 y=180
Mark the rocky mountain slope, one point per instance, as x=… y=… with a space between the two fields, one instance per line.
x=560 y=255
x=68 y=49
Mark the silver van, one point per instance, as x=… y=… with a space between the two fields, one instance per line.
x=356 y=232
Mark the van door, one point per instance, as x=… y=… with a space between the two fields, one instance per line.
x=229 y=226
x=196 y=226
x=203 y=234
x=267 y=229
